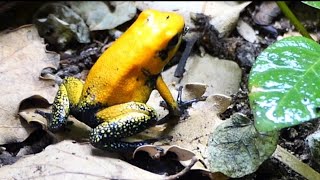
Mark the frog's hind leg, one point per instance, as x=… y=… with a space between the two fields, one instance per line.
x=122 y=121
x=67 y=97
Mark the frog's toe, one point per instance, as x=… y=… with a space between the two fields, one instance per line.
x=120 y=146
x=56 y=127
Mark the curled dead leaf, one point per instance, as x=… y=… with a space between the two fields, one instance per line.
x=22 y=56
x=194 y=90
x=76 y=130
x=186 y=157
x=70 y=160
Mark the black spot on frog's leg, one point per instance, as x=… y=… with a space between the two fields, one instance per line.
x=150 y=79
x=173 y=42
x=163 y=54
x=86 y=114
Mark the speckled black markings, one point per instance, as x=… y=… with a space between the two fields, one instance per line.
x=108 y=135
x=60 y=111
x=86 y=114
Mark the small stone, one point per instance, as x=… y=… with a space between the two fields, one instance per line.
x=313 y=142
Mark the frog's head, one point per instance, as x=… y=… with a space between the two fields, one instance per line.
x=162 y=34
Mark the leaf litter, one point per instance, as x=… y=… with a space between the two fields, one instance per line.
x=227 y=83
x=22 y=56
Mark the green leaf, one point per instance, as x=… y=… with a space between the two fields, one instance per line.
x=236 y=148
x=315 y=4
x=284 y=84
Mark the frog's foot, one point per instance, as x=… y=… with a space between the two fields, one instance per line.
x=181 y=111
x=67 y=97
x=123 y=146
x=131 y=118
x=183 y=105
x=57 y=127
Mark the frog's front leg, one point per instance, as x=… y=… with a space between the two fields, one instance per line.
x=121 y=121
x=66 y=99
x=167 y=96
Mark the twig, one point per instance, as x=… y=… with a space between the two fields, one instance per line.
x=295 y=164
x=182 y=63
x=288 y=13
x=184 y=171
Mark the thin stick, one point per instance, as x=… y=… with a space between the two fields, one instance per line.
x=288 y=13
x=184 y=171
x=295 y=164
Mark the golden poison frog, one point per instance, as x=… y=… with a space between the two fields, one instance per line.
x=112 y=99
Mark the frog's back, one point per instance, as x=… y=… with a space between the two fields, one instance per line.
x=123 y=72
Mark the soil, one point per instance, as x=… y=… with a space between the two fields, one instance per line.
x=234 y=48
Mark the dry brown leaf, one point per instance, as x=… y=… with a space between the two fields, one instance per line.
x=99 y=16
x=184 y=156
x=22 y=56
x=77 y=131
x=68 y=160
x=221 y=76
x=209 y=75
x=193 y=133
x=224 y=14
x=218 y=78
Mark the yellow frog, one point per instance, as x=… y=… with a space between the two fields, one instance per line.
x=112 y=99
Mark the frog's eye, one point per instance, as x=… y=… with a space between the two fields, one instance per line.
x=185 y=30
x=174 y=41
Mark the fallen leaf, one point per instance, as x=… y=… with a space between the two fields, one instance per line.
x=68 y=160
x=194 y=90
x=60 y=25
x=218 y=76
x=236 y=148
x=77 y=130
x=246 y=31
x=218 y=79
x=184 y=156
x=224 y=14
x=193 y=132
x=22 y=56
x=98 y=16
x=176 y=6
